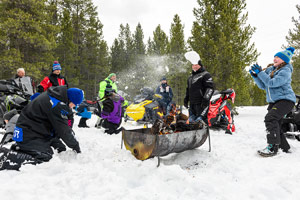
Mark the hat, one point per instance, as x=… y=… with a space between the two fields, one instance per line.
x=75 y=95
x=163 y=79
x=56 y=66
x=192 y=56
x=111 y=75
x=286 y=55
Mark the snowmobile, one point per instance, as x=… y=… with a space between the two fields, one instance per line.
x=220 y=113
x=11 y=97
x=145 y=107
x=291 y=122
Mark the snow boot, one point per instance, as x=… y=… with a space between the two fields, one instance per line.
x=82 y=123
x=270 y=150
x=99 y=123
x=13 y=160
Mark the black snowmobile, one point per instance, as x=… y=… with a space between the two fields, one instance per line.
x=11 y=97
x=291 y=122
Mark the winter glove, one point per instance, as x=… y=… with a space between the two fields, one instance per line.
x=252 y=73
x=40 y=89
x=77 y=149
x=186 y=103
x=256 y=68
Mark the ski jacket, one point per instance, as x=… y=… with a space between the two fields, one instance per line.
x=46 y=113
x=26 y=84
x=104 y=84
x=166 y=92
x=200 y=87
x=279 y=87
x=53 y=80
x=112 y=108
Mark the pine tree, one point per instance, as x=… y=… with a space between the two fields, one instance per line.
x=293 y=39
x=82 y=51
x=27 y=37
x=139 y=45
x=222 y=39
x=179 y=70
x=160 y=43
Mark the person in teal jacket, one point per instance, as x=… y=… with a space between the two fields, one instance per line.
x=276 y=81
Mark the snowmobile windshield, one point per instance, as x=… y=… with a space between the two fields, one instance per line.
x=146 y=94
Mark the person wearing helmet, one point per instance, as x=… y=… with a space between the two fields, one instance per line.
x=200 y=88
x=40 y=123
x=112 y=111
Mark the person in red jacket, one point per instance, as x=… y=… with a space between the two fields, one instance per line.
x=54 y=79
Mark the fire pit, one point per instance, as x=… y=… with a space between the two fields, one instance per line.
x=144 y=145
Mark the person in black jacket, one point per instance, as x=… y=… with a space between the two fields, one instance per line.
x=41 y=124
x=200 y=88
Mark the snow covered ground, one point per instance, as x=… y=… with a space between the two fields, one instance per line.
x=232 y=170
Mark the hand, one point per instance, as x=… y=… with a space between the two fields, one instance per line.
x=252 y=73
x=77 y=149
x=256 y=68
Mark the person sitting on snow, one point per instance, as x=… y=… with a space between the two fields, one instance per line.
x=34 y=132
x=167 y=94
x=112 y=111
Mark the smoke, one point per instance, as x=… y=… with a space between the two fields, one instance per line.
x=147 y=71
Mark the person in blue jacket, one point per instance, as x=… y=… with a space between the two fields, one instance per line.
x=276 y=81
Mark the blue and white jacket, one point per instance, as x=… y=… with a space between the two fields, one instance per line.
x=279 y=87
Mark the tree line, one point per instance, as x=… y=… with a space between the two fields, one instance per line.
x=34 y=33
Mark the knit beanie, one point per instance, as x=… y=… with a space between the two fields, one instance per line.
x=111 y=75
x=286 y=55
x=56 y=66
x=75 y=95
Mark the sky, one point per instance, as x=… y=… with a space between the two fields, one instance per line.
x=272 y=19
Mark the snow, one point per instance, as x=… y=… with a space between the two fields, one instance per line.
x=232 y=170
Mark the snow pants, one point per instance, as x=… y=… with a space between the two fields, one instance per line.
x=273 y=120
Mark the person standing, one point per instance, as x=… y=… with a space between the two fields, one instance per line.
x=276 y=81
x=166 y=92
x=108 y=82
x=24 y=82
x=41 y=123
x=200 y=88
x=54 y=79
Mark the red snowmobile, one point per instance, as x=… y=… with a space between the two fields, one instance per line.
x=220 y=110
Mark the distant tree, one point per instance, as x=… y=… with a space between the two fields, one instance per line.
x=27 y=37
x=222 y=39
x=293 y=39
x=179 y=70
x=160 y=43
x=82 y=50
x=139 y=45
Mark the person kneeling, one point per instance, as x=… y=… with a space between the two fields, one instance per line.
x=42 y=122
x=112 y=111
